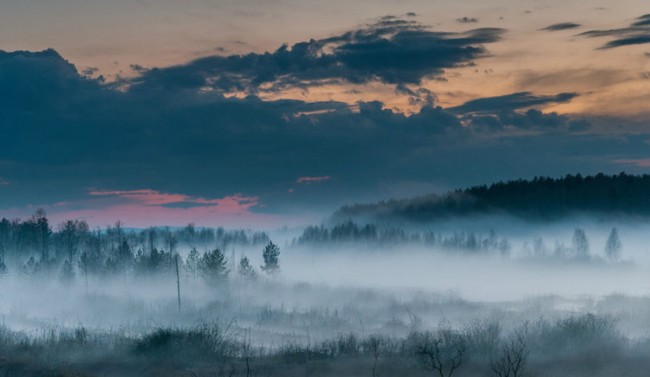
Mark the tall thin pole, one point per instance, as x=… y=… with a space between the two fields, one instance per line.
x=178 y=285
x=86 y=274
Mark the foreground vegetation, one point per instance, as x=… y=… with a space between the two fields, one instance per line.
x=584 y=345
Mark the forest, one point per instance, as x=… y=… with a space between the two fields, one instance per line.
x=71 y=250
x=32 y=248
x=539 y=199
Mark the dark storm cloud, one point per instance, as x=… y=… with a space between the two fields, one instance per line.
x=511 y=102
x=392 y=50
x=637 y=33
x=71 y=133
x=561 y=26
x=33 y=79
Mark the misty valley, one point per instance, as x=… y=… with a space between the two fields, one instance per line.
x=477 y=291
x=343 y=188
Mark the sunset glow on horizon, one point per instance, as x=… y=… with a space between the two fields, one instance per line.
x=285 y=102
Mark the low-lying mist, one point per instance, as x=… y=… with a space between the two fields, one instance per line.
x=539 y=261
x=283 y=289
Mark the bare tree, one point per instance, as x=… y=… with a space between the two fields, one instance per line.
x=374 y=344
x=442 y=352
x=512 y=360
x=247 y=350
x=580 y=244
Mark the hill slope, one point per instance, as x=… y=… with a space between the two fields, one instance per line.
x=538 y=199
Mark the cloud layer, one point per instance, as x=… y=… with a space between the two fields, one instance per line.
x=637 y=33
x=172 y=144
x=391 y=50
x=562 y=26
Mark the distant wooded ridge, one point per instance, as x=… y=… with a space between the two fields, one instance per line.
x=541 y=198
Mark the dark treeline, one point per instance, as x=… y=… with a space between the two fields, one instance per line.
x=541 y=198
x=373 y=235
x=34 y=247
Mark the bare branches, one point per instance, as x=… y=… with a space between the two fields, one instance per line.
x=512 y=360
x=374 y=344
x=442 y=352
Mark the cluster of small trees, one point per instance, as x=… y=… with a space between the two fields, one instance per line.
x=350 y=232
x=580 y=248
x=32 y=247
x=372 y=235
x=212 y=266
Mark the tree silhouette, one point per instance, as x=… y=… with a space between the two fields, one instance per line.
x=512 y=361
x=613 y=247
x=246 y=269
x=442 y=352
x=541 y=198
x=192 y=262
x=271 y=254
x=67 y=272
x=213 y=266
x=580 y=244
x=3 y=267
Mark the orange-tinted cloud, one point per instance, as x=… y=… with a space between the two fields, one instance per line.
x=232 y=204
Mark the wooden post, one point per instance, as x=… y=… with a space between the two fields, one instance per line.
x=178 y=285
x=86 y=273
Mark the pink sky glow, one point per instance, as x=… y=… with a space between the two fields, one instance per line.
x=147 y=207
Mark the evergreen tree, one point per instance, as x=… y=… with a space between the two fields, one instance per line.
x=192 y=262
x=124 y=256
x=246 y=270
x=271 y=255
x=613 y=246
x=43 y=233
x=70 y=235
x=90 y=260
x=213 y=266
x=31 y=267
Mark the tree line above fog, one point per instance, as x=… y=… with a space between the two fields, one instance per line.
x=541 y=199
x=376 y=236
x=33 y=247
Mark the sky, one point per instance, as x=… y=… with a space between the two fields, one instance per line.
x=254 y=113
